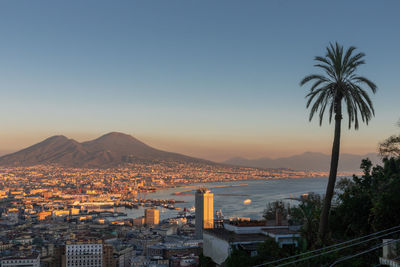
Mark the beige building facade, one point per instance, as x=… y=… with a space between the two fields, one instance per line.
x=152 y=217
x=204 y=211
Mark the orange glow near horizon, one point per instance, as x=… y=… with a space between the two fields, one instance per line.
x=218 y=148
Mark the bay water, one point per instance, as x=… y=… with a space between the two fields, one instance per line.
x=229 y=197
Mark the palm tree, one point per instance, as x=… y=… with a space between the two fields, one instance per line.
x=339 y=83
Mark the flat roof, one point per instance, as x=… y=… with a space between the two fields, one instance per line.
x=279 y=231
x=232 y=237
x=22 y=257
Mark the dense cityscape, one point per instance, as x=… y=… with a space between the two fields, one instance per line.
x=58 y=216
x=45 y=209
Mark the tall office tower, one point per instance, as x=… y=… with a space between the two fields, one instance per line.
x=204 y=211
x=151 y=217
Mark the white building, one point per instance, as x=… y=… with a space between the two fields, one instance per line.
x=390 y=255
x=32 y=261
x=84 y=254
x=218 y=244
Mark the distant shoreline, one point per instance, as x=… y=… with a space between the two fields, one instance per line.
x=188 y=185
x=184 y=192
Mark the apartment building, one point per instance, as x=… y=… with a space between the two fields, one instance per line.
x=83 y=254
x=29 y=261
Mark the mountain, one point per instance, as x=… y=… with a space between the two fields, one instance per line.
x=110 y=150
x=5 y=152
x=116 y=149
x=306 y=161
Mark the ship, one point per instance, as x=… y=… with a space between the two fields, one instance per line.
x=247 y=201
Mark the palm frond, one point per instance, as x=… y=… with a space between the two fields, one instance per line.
x=310 y=78
x=339 y=82
x=370 y=84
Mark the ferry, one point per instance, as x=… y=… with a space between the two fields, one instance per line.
x=247 y=201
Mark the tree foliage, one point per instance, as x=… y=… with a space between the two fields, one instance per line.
x=307 y=214
x=205 y=261
x=274 y=207
x=268 y=250
x=368 y=203
x=391 y=146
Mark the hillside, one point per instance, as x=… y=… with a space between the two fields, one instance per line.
x=110 y=150
x=306 y=161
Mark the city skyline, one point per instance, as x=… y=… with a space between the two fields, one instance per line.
x=210 y=80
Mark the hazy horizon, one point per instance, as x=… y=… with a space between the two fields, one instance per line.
x=220 y=156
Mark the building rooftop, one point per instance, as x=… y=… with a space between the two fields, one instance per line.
x=247 y=223
x=233 y=237
x=32 y=256
x=203 y=190
x=279 y=231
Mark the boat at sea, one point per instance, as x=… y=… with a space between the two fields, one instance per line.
x=247 y=201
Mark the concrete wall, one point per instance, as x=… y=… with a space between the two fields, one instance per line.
x=217 y=249
x=243 y=229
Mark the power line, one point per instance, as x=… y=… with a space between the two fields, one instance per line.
x=331 y=246
x=328 y=247
x=363 y=252
x=337 y=249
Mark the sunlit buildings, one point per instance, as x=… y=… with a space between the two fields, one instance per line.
x=151 y=217
x=52 y=203
x=139 y=222
x=204 y=211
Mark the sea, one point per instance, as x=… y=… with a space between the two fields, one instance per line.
x=229 y=197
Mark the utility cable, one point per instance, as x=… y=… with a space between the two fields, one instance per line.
x=363 y=252
x=333 y=246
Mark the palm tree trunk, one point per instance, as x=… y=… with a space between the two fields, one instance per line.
x=324 y=219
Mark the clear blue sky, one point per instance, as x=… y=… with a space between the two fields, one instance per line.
x=212 y=79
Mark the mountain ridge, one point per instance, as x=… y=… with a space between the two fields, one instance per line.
x=116 y=149
x=109 y=150
x=314 y=161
